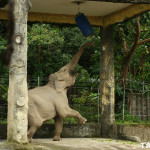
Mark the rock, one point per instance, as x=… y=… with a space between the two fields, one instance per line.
x=131 y=138
x=134 y=138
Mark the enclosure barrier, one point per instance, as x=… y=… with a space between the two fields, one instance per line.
x=132 y=100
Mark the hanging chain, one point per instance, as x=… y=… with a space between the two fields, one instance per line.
x=78 y=3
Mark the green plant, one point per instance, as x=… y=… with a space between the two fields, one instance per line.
x=3 y=121
x=3 y=91
x=67 y=120
x=70 y=120
x=86 y=102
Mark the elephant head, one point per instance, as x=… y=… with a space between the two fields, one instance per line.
x=65 y=78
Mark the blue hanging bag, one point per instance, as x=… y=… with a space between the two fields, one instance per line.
x=84 y=24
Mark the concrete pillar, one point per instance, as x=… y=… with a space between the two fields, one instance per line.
x=18 y=91
x=107 y=75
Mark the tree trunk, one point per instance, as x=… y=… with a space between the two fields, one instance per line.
x=107 y=76
x=18 y=91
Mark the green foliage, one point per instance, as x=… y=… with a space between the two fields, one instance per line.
x=44 y=34
x=45 y=55
x=3 y=44
x=3 y=91
x=83 y=76
x=133 y=121
x=51 y=47
x=126 y=31
x=86 y=97
x=4 y=121
x=86 y=102
x=69 y=120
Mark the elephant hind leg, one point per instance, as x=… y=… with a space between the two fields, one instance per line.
x=31 y=132
x=58 y=128
x=34 y=121
x=33 y=126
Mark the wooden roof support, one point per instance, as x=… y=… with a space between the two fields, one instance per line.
x=124 y=1
x=4 y=2
x=55 y=18
x=113 y=18
x=126 y=13
x=60 y=18
x=4 y=15
x=104 y=21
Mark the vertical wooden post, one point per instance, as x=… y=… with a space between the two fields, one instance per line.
x=18 y=92
x=107 y=75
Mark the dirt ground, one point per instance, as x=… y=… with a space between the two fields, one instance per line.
x=74 y=144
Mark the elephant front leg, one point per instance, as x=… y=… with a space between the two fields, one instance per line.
x=68 y=112
x=58 y=128
x=76 y=114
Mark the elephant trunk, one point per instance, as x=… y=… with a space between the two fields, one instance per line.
x=72 y=64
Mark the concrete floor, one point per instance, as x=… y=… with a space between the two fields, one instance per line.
x=75 y=144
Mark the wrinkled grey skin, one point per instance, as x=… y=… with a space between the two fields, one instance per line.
x=50 y=101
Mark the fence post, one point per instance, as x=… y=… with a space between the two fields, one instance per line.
x=148 y=106
x=143 y=87
x=123 y=99
x=98 y=102
x=38 y=81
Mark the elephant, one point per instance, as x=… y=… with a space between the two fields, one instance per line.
x=50 y=101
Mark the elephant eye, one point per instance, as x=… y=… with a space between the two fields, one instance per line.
x=64 y=69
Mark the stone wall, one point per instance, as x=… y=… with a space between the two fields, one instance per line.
x=137 y=133
x=69 y=130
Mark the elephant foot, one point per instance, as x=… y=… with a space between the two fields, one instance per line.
x=30 y=140
x=82 y=120
x=57 y=138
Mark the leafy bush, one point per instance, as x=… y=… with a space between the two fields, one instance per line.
x=86 y=102
x=3 y=91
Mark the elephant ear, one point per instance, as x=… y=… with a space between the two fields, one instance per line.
x=57 y=82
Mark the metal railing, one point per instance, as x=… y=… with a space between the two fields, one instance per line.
x=133 y=92
x=83 y=97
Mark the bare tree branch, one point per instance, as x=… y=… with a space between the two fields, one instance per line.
x=124 y=42
x=143 y=41
x=128 y=57
x=141 y=63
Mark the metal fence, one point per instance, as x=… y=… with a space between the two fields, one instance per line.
x=132 y=101
x=3 y=98
x=83 y=97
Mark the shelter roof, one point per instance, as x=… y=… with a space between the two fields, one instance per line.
x=99 y=12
